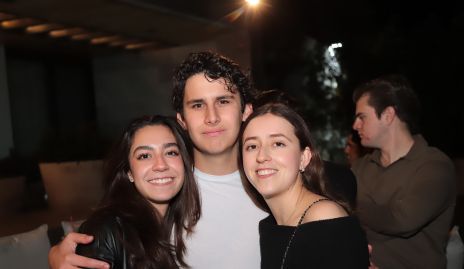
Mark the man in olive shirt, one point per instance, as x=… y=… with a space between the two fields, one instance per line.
x=406 y=189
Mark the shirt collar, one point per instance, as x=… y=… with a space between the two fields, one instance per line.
x=416 y=150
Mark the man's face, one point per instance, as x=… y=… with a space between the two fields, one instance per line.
x=212 y=115
x=371 y=129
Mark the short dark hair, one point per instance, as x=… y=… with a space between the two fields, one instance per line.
x=214 y=66
x=314 y=178
x=395 y=91
x=153 y=240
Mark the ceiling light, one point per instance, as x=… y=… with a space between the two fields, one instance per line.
x=17 y=23
x=252 y=3
x=140 y=45
x=85 y=36
x=104 y=39
x=41 y=28
x=66 y=32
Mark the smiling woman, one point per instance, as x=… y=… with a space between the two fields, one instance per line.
x=151 y=198
x=308 y=225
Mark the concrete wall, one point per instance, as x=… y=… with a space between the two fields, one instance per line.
x=133 y=84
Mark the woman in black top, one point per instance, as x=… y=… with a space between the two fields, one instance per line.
x=309 y=226
x=151 y=202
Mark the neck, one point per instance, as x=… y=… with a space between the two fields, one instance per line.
x=287 y=208
x=396 y=147
x=217 y=164
x=161 y=208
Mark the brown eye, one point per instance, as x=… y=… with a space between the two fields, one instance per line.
x=143 y=156
x=250 y=147
x=173 y=153
x=279 y=144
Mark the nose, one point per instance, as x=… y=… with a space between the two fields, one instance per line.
x=356 y=124
x=263 y=155
x=159 y=163
x=211 y=117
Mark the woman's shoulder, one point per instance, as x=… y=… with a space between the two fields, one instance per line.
x=103 y=219
x=324 y=209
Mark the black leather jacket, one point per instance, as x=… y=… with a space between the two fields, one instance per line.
x=109 y=232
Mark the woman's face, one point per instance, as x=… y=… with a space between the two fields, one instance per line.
x=272 y=157
x=156 y=166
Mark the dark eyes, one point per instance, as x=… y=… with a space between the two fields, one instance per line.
x=196 y=106
x=173 y=153
x=275 y=144
x=279 y=144
x=169 y=153
x=143 y=156
x=224 y=102
x=220 y=102
x=250 y=147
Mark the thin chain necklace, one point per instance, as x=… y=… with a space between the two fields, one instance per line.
x=296 y=228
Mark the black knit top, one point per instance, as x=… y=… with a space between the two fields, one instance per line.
x=332 y=243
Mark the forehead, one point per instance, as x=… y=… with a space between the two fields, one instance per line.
x=153 y=135
x=199 y=87
x=269 y=124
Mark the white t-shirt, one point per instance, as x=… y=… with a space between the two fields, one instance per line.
x=226 y=236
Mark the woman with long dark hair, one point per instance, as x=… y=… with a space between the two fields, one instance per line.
x=309 y=226
x=152 y=200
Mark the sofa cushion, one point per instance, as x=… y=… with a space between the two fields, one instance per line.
x=25 y=250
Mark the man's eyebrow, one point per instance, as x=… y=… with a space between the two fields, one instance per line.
x=194 y=101
x=225 y=97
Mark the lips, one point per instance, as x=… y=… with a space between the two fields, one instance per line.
x=214 y=133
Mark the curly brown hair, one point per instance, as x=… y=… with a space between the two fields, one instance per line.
x=214 y=66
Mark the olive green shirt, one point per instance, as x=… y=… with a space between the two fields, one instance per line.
x=406 y=208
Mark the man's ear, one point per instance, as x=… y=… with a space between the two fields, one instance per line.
x=388 y=114
x=247 y=111
x=181 y=121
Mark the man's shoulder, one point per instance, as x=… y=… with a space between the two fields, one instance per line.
x=436 y=155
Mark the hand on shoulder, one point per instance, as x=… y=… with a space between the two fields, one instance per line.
x=324 y=210
x=63 y=256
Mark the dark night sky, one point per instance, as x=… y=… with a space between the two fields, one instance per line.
x=420 y=41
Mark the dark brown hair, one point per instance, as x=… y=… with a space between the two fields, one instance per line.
x=394 y=91
x=313 y=177
x=151 y=246
x=213 y=66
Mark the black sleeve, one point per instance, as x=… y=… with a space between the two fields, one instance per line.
x=106 y=245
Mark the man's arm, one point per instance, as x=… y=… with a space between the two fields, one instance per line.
x=423 y=198
x=62 y=256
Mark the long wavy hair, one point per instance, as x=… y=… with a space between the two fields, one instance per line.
x=314 y=178
x=157 y=242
